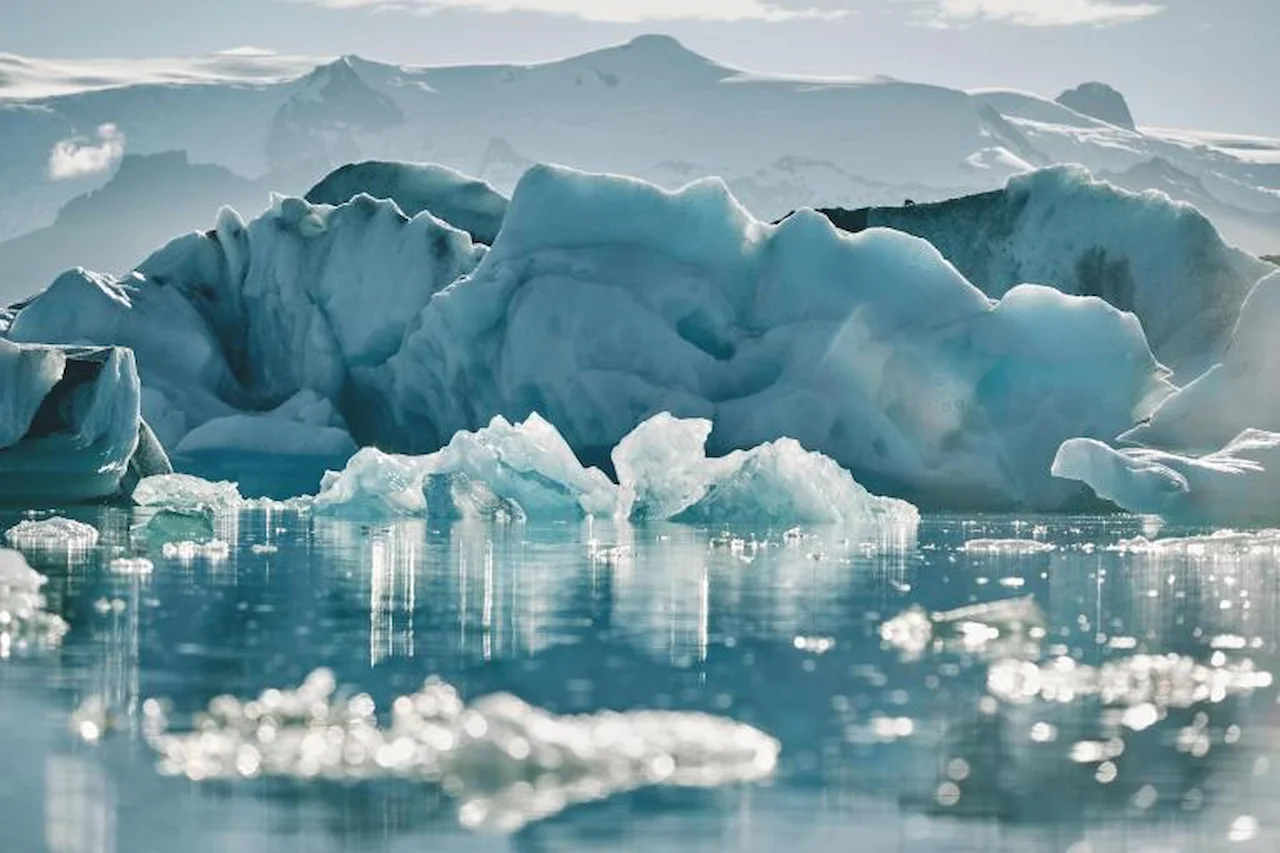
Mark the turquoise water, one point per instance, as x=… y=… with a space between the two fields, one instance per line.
x=882 y=750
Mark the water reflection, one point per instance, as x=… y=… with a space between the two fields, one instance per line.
x=927 y=752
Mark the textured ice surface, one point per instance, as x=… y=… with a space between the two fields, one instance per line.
x=52 y=535
x=24 y=622
x=1240 y=392
x=1239 y=484
x=183 y=493
x=69 y=422
x=606 y=300
x=506 y=762
x=1216 y=545
x=664 y=473
x=466 y=203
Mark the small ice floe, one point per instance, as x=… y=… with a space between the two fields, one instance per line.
x=986 y=627
x=1005 y=547
x=52 y=536
x=814 y=645
x=184 y=493
x=1220 y=543
x=215 y=550
x=132 y=566
x=506 y=762
x=264 y=548
x=24 y=621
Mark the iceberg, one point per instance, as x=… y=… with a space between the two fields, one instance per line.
x=1238 y=484
x=464 y=202
x=185 y=494
x=1240 y=392
x=664 y=473
x=604 y=301
x=506 y=762
x=70 y=428
x=1141 y=252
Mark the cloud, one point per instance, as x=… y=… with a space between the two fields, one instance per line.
x=612 y=11
x=1040 y=13
x=247 y=50
x=79 y=156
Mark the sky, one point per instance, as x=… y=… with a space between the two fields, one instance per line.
x=1200 y=64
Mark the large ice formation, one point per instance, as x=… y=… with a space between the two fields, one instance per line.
x=1241 y=392
x=506 y=762
x=606 y=300
x=69 y=423
x=1238 y=484
x=466 y=203
x=1143 y=253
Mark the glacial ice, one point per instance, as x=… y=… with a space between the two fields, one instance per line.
x=1238 y=484
x=1143 y=253
x=24 y=621
x=1240 y=392
x=1006 y=547
x=52 y=536
x=664 y=473
x=606 y=300
x=526 y=470
x=465 y=203
x=183 y=493
x=505 y=762
x=69 y=423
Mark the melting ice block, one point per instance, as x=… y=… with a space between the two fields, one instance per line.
x=52 y=535
x=183 y=493
x=664 y=473
x=506 y=762
x=1239 y=484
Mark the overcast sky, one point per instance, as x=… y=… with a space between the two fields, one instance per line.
x=1206 y=64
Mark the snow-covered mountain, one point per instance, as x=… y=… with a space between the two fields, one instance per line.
x=649 y=108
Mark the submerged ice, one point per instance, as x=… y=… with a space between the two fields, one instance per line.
x=604 y=301
x=506 y=762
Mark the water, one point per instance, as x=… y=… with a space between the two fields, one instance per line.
x=943 y=749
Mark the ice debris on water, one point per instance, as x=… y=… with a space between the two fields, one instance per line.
x=1220 y=543
x=505 y=762
x=1165 y=681
x=24 y=621
x=52 y=535
x=214 y=550
x=987 y=627
x=1005 y=547
x=184 y=493
x=132 y=566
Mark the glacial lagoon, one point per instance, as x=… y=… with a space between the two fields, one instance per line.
x=1107 y=689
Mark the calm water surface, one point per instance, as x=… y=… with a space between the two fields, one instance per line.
x=881 y=750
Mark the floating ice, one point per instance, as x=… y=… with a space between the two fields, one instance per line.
x=52 y=535
x=1220 y=543
x=183 y=493
x=24 y=622
x=132 y=566
x=988 y=628
x=1164 y=681
x=1239 y=484
x=605 y=300
x=215 y=550
x=664 y=473
x=506 y=762
x=1005 y=547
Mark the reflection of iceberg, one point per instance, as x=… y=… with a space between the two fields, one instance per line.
x=507 y=762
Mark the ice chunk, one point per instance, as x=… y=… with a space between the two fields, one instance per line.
x=24 y=621
x=215 y=550
x=70 y=425
x=990 y=628
x=1220 y=543
x=1239 y=484
x=183 y=493
x=506 y=762
x=373 y=485
x=664 y=473
x=1005 y=547
x=52 y=535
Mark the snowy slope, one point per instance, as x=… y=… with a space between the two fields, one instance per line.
x=649 y=108
x=606 y=300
